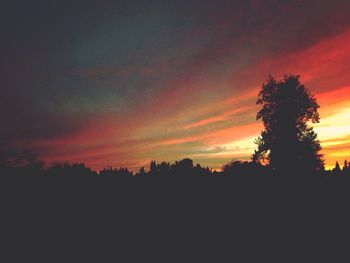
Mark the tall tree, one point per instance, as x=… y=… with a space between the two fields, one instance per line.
x=153 y=168
x=336 y=169
x=288 y=143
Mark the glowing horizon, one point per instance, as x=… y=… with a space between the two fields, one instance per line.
x=163 y=83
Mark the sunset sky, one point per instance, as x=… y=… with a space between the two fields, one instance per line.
x=119 y=83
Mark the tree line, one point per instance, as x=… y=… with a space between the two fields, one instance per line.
x=287 y=146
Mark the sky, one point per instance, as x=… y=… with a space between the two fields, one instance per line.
x=120 y=83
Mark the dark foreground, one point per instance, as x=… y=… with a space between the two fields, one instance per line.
x=173 y=219
x=217 y=189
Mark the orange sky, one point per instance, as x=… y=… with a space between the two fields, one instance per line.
x=123 y=84
x=223 y=128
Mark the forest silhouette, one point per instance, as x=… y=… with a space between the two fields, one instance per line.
x=287 y=147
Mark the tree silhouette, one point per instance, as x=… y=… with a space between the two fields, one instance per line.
x=153 y=168
x=110 y=171
x=346 y=168
x=244 y=168
x=288 y=143
x=336 y=169
x=142 y=172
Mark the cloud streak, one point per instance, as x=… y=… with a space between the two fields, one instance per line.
x=120 y=84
